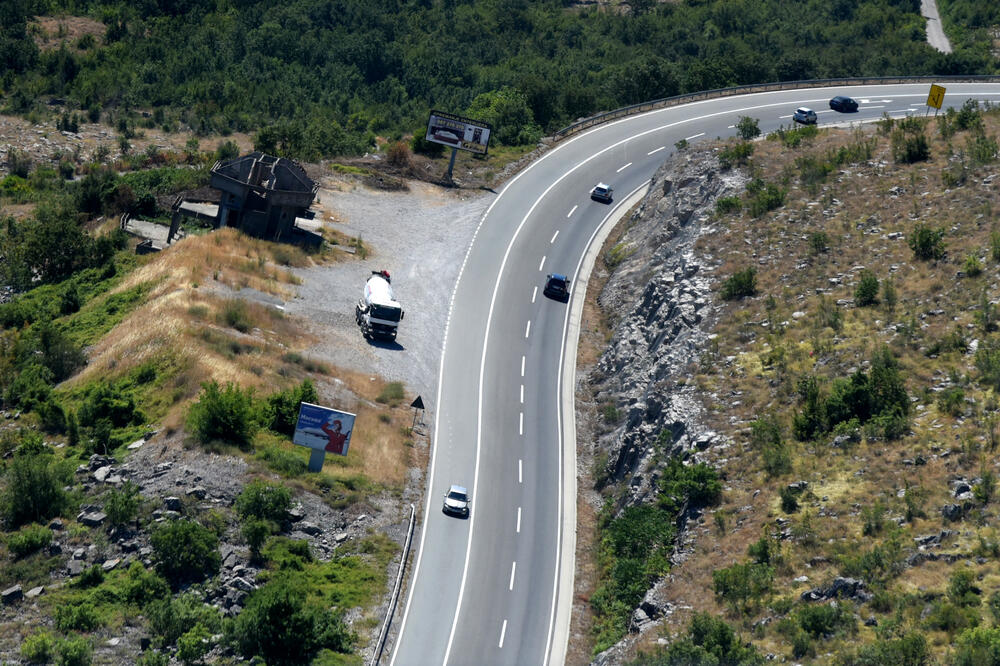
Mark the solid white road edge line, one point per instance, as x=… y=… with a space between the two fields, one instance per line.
x=557 y=641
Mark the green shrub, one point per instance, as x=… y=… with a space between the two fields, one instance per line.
x=28 y=540
x=141 y=586
x=972 y=266
x=235 y=314
x=962 y=589
x=225 y=415
x=171 y=618
x=227 y=150
x=910 y=148
x=105 y=401
x=286 y=461
x=740 y=285
x=948 y=617
x=283 y=407
x=185 y=552
x=75 y=651
x=264 y=500
x=823 y=620
x=392 y=394
x=736 y=154
x=39 y=648
x=279 y=625
x=819 y=242
x=76 y=617
x=789 y=500
x=875 y=566
x=952 y=401
x=726 y=205
x=981 y=149
x=709 y=642
x=194 y=644
x=741 y=585
x=122 y=504
x=765 y=436
x=978 y=646
x=748 y=128
x=256 y=532
x=153 y=658
x=34 y=490
x=866 y=292
x=768 y=199
x=90 y=577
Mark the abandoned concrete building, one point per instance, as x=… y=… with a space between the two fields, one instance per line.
x=261 y=195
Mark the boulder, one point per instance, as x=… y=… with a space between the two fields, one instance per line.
x=93 y=519
x=101 y=473
x=172 y=503
x=35 y=592
x=11 y=595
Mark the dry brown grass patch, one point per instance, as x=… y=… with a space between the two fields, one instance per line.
x=51 y=32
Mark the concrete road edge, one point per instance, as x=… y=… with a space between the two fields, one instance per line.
x=567 y=558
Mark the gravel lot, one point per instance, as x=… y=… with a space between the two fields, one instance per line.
x=420 y=236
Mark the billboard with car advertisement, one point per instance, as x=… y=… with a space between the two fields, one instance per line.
x=324 y=429
x=458 y=132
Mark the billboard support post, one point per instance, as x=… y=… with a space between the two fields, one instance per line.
x=316 y=459
x=451 y=164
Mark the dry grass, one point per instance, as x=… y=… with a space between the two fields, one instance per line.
x=867 y=211
x=51 y=32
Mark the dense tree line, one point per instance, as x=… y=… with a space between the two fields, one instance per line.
x=318 y=77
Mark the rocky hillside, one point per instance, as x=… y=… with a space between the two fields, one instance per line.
x=814 y=316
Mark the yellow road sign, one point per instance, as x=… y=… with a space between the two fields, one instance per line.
x=936 y=96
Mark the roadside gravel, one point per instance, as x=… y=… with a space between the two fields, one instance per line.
x=420 y=236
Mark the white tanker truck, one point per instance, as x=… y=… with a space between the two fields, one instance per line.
x=378 y=313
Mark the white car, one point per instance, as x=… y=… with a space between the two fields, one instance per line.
x=456 y=501
x=804 y=115
x=601 y=192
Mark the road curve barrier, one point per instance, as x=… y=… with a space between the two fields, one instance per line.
x=380 y=645
x=762 y=87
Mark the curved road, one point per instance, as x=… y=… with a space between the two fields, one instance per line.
x=497 y=588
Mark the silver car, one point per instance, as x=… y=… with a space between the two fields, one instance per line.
x=456 y=501
x=601 y=192
x=804 y=115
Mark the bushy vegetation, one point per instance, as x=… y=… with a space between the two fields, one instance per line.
x=185 y=552
x=709 y=640
x=636 y=545
x=741 y=284
x=380 y=67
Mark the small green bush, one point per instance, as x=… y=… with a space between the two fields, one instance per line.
x=171 y=618
x=235 y=314
x=768 y=199
x=748 y=128
x=34 y=490
x=185 y=552
x=91 y=577
x=226 y=415
x=789 y=500
x=194 y=644
x=76 y=617
x=122 y=504
x=823 y=620
x=75 y=651
x=392 y=394
x=283 y=407
x=819 y=243
x=952 y=401
x=737 y=154
x=972 y=266
x=726 y=205
x=39 y=648
x=866 y=292
x=742 y=585
x=279 y=625
x=909 y=148
x=264 y=500
x=29 y=539
x=740 y=285
x=142 y=586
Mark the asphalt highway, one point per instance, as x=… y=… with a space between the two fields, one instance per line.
x=496 y=588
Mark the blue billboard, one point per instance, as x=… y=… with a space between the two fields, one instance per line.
x=324 y=429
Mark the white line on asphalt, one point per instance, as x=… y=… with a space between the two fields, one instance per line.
x=694 y=136
x=522 y=394
x=513 y=568
x=656 y=150
x=541 y=263
x=520 y=423
x=520 y=470
x=518 y=520
x=572 y=210
x=534 y=294
x=880 y=106
x=503 y=631
x=527 y=329
x=624 y=167
x=734 y=126
x=554 y=237
x=522 y=358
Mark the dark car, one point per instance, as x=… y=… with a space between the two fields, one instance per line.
x=804 y=115
x=601 y=192
x=844 y=104
x=557 y=287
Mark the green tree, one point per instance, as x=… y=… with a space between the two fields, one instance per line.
x=507 y=111
x=280 y=625
x=223 y=414
x=866 y=292
x=185 y=552
x=264 y=500
x=748 y=128
x=33 y=486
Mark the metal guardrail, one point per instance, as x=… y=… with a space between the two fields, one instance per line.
x=761 y=87
x=377 y=654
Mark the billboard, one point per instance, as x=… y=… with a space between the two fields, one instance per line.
x=324 y=429
x=458 y=132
